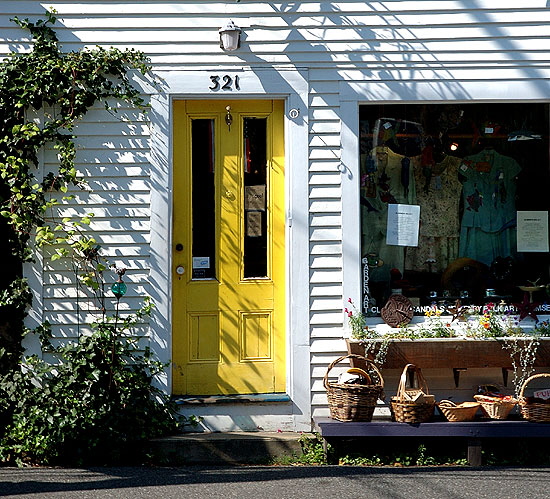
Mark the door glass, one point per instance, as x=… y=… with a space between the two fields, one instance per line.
x=255 y=198
x=203 y=202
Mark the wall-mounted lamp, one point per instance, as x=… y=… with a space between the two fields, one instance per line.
x=230 y=36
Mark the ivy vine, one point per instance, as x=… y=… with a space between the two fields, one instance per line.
x=43 y=93
x=97 y=400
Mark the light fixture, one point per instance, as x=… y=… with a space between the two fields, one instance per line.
x=230 y=36
x=453 y=146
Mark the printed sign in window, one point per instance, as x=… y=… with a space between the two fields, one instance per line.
x=403 y=225
x=532 y=232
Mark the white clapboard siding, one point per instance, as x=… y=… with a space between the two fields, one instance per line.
x=112 y=158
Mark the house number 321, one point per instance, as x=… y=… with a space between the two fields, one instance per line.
x=224 y=82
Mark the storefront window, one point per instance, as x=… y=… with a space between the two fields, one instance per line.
x=454 y=202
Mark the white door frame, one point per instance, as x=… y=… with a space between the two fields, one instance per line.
x=292 y=87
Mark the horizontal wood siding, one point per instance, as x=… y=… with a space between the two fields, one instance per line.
x=113 y=159
x=330 y=35
x=354 y=41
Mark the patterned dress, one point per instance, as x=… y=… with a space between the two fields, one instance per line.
x=488 y=227
x=439 y=198
x=388 y=178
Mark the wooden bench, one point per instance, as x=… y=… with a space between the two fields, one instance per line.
x=474 y=432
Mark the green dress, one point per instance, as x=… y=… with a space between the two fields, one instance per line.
x=488 y=226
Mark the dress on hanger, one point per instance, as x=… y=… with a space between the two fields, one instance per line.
x=488 y=226
x=439 y=198
x=388 y=178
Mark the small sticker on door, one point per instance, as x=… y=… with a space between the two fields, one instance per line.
x=201 y=262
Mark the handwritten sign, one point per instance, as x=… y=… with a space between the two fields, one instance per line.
x=254 y=198
x=542 y=394
x=253 y=224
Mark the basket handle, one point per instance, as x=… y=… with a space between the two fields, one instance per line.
x=447 y=403
x=421 y=381
x=531 y=378
x=370 y=364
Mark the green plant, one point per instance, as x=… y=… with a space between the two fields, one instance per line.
x=358 y=323
x=348 y=460
x=95 y=404
x=542 y=328
x=492 y=322
x=313 y=451
x=378 y=453
x=90 y=399
x=43 y=93
x=434 y=326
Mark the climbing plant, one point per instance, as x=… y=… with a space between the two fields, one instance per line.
x=43 y=93
x=97 y=397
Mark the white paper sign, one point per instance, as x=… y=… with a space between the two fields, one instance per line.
x=532 y=232
x=403 y=224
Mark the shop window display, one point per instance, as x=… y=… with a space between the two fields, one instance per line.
x=470 y=168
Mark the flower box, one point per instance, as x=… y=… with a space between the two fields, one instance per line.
x=449 y=352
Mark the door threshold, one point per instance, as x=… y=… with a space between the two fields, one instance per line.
x=251 y=398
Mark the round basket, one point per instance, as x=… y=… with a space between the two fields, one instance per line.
x=466 y=411
x=535 y=411
x=495 y=408
x=404 y=410
x=351 y=402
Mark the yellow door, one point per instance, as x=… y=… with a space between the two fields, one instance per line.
x=228 y=248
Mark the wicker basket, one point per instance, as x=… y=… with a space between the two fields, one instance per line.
x=404 y=409
x=494 y=407
x=351 y=402
x=466 y=411
x=534 y=411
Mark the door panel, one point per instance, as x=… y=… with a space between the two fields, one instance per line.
x=228 y=254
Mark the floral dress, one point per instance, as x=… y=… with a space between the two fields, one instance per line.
x=438 y=195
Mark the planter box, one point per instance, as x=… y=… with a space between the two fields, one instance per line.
x=450 y=353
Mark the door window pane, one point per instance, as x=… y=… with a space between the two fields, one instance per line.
x=203 y=199
x=255 y=197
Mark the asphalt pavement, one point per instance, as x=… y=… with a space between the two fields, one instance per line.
x=276 y=482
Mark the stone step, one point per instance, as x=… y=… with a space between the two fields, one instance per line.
x=224 y=448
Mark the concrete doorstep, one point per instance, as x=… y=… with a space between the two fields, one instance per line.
x=224 y=448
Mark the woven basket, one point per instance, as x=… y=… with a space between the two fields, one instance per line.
x=495 y=408
x=535 y=411
x=466 y=411
x=351 y=402
x=404 y=410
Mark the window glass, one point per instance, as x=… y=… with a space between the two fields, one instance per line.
x=203 y=202
x=454 y=202
x=255 y=203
